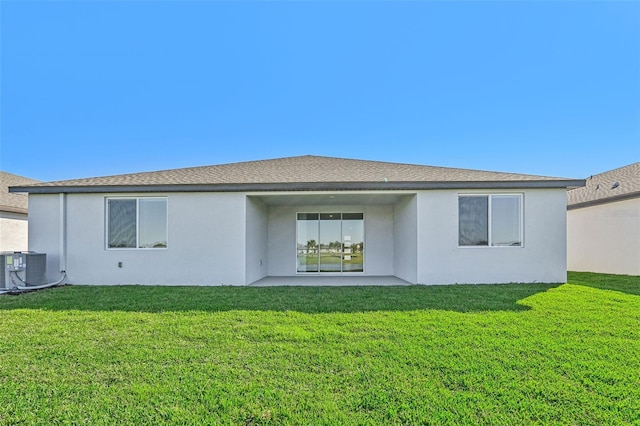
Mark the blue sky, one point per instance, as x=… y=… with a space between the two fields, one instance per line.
x=107 y=87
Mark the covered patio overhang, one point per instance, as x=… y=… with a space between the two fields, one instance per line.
x=331 y=198
x=388 y=235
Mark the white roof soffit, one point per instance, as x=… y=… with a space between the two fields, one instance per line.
x=303 y=186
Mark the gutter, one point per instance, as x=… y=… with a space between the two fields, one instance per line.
x=63 y=233
x=301 y=186
x=607 y=200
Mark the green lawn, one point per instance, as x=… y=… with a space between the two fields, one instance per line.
x=311 y=259
x=493 y=354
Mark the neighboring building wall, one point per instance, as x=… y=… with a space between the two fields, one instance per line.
x=378 y=228
x=605 y=238
x=206 y=241
x=256 y=240
x=13 y=232
x=14 y=225
x=541 y=259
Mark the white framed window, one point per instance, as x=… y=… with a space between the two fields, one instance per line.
x=136 y=223
x=494 y=220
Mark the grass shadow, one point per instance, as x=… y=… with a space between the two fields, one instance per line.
x=629 y=284
x=458 y=298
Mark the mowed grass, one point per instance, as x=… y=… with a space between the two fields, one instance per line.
x=493 y=354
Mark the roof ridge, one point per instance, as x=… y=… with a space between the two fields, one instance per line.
x=615 y=170
x=14 y=202
x=612 y=185
x=181 y=168
x=305 y=156
x=304 y=171
x=2 y=172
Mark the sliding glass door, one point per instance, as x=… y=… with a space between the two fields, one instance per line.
x=330 y=242
x=330 y=246
x=307 y=244
x=353 y=242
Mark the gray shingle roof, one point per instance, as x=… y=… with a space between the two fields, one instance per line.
x=13 y=203
x=601 y=188
x=296 y=173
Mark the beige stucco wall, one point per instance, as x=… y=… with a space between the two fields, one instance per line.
x=256 y=240
x=542 y=258
x=605 y=238
x=232 y=239
x=13 y=232
x=405 y=231
x=44 y=231
x=206 y=241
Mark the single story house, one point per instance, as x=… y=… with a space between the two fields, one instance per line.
x=603 y=223
x=235 y=224
x=13 y=213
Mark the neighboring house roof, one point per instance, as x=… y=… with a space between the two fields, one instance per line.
x=10 y=202
x=302 y=173
x=615 y=185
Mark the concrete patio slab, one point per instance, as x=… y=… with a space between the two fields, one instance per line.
x=334 y=280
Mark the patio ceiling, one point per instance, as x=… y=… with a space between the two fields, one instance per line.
x=330 y=199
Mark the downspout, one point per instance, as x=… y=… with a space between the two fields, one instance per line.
x=63 y=233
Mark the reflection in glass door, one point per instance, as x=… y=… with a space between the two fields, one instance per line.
x=307 y=244
x=330 y=242
x=330 y=246
x=353 y=242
